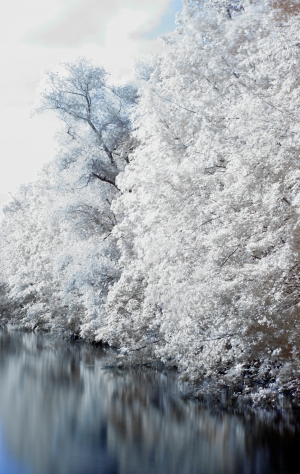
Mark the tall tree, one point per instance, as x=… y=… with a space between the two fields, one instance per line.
x=210 y=280
x=58 y=253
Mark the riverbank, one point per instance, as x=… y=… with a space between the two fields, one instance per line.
x=247 y=394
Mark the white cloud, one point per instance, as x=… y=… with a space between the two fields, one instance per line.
x=24 y=148
x=19 y=17
x=87 y=20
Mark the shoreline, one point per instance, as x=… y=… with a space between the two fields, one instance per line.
x=247 y=395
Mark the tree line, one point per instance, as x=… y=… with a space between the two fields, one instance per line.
x=168 y=223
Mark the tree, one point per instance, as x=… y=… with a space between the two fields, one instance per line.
x=58 y=253
x=96 y=114
x=210 y=280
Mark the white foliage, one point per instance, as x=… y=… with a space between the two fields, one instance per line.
x=209 y=212
x=58 y=253
x=191 y=252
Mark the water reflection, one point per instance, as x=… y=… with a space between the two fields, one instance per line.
x=61 y=411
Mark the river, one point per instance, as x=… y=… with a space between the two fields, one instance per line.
x=63 y=410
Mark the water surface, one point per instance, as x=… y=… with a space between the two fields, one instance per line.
x=63 y=411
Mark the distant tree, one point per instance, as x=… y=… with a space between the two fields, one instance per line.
x=96 y=114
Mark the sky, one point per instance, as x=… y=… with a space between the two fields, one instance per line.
x=38 y=34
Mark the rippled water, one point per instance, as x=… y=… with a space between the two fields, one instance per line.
x=63 y=412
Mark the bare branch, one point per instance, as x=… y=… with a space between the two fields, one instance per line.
x=105 y=180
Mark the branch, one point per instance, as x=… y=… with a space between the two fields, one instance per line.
x=298 y=263
x=206 y=222
x=143 y=347
x=215 y=339
x=230 y=255
x=105 y=180
x=285 y=200
x=172 y=102
x=107 y=151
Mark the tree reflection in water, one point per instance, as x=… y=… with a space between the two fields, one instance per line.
x=61 y=411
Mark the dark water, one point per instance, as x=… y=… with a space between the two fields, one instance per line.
x=63 y=412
